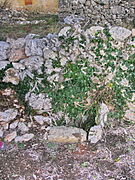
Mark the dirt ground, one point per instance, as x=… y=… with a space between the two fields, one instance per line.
x=113 y=158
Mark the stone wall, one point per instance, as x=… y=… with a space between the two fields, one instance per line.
x=109 y=12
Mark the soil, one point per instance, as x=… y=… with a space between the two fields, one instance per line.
x=113 y=158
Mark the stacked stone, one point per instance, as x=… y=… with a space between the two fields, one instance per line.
x=101 y=12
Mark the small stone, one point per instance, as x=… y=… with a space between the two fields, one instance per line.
x=10 y=136
x=8 y=115
x=12 y=75
x=3 y=64
x=16 y=55
x=95 y=134
x=25 y=138
x=4 y=50
x=33 y=63
x=14 y=125
x=1 y=133
x=34 y=47
x=66 y=134
x=49 y=54
x=22 y=127
x=93 y=30
x=39 y=102
x=119 y=33
x=18 y=66
x=64 y=31
x=42 y=119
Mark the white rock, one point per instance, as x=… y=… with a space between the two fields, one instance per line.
x=14 y=124
x=1 y=133
x=82 y=1
x=3 y=64
x=39 y=102
x=5 y=126
x=22 y=127
x=25 y=137
x=33 y=63
x=64 y=31
x=101 y=119
x=34 y=47
x=42 y=119
x=49 y=54
x=119 y=33
x=10 y=136
x=12 y=75
x=18 y=66
x=93 y=30
x=66 y=134
x=16 y=44
x=95 y=134
x=4 y=50
x=8 y=115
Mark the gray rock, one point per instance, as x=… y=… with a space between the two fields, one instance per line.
x=101 y=119
x=33 y=63
x=119 y=33
x=16 y=44
x=22 y=127
x=41 y=120
x=12 y=75
x=4 y=50
x=95 y=134
x=64 y=31
x=14 y=124
x=66 y=134
x=49 y=54
x=39 y=102
x=34 y=47
x=8 y=115
x=1 y=133
x=3 y=64
x=24 y=138
x=10 y=136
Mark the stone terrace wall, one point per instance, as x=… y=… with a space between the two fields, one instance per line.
x=109 y=12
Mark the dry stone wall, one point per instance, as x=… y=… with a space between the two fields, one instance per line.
x=101 y=12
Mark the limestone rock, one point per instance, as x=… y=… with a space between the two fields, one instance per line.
x=66 y=134
x=39 y=102
x=22 y=127
x=11 y=136
x=34 y=47
x=1 y=133
x=3 y=64
x=16 y=55
x=33 y=63
x=49 y=54
x=95 y=134
x=101 y=119
x=93 y=30
x=24 y=138
x=4 y=50
x=41 y=120
x=64 y=31
x=14 y=124
x=12 y=75
x=119 y=33
x=8 y=115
